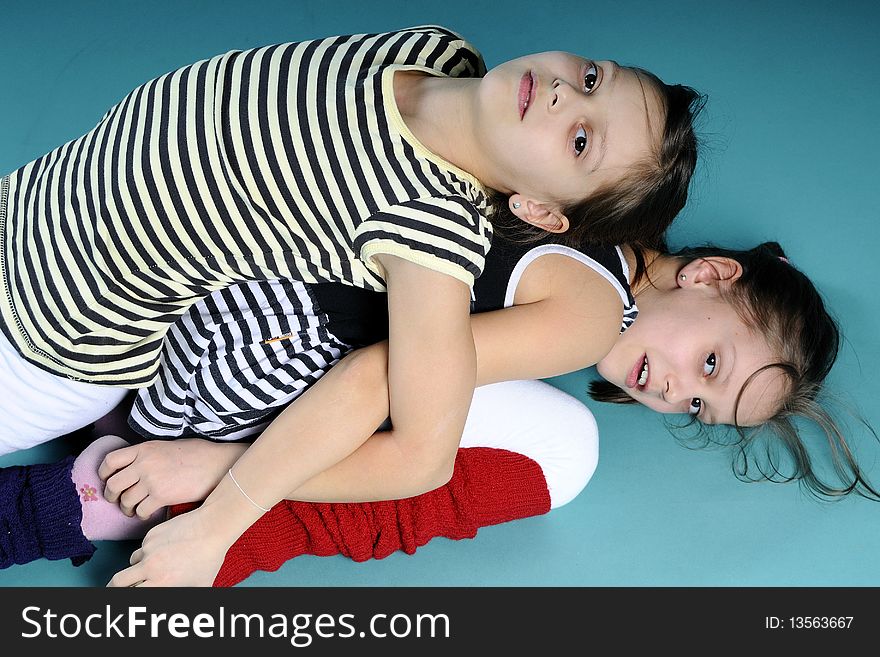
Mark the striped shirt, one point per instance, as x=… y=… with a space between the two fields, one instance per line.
x=284 y=162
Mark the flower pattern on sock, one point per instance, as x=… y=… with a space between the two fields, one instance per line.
x=89 y=493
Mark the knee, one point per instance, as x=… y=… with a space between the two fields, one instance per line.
x=576 y=461
x=365 y=369
x=568 y=452
x=542 y=422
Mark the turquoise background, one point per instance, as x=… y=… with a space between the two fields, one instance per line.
x=791 y=153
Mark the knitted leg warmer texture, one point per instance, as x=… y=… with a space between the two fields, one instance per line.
x=40 y=515
x=488 y=486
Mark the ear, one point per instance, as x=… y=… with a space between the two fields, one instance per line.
x=538 y=214
x=712 y=270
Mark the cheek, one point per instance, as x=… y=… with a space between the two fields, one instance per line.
x=655 y=404
x=545 y=156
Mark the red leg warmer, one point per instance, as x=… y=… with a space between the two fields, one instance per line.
x=488 y=487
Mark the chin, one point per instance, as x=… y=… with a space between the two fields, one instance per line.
x=630 y=394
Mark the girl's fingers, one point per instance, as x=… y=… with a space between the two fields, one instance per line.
x=131 y=576
x=116 y=460
x=131 y=498
x=148 y=507
x=119 y=483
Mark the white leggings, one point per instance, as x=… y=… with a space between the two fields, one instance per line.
x=37 y=406
x=540 y=421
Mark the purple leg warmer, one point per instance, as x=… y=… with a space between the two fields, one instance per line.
x=40 y=515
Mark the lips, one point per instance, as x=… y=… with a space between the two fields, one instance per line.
x=633 y=376
x=526 y=93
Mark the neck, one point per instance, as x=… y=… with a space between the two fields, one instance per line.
x=660 y=274
x=438 y=111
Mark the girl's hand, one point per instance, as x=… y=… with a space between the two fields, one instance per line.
x=183 y=551
x=155 y=474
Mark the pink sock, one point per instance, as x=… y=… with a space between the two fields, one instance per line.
x=102 y=520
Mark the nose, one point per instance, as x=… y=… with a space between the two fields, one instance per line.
x=674 y=390
x=561 y=94
x=569 y=100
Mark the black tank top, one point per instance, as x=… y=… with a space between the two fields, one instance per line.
x=360 y=317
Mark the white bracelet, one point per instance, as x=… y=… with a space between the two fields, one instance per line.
x=249 y=499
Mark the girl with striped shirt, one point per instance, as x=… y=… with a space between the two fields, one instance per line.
x=379 y=161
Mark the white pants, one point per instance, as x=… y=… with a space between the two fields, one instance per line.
x=37 y=406
x=540 y=421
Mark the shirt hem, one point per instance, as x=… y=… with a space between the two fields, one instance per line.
x=426 y=260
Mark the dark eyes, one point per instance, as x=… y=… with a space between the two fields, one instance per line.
x=709 y=365
x=580 y=140
x=591 y=78
x=708 y=370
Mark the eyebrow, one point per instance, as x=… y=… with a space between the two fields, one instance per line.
x=603 y=148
